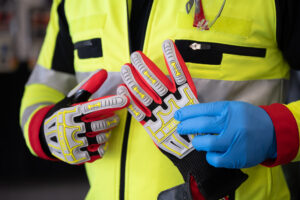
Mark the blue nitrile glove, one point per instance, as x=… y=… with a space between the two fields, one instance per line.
x=234 y=134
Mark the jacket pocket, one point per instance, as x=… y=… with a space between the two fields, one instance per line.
x=91 y=48
x=212 y=53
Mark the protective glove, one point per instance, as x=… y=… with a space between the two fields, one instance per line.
x=154 y=100
x=77 y=130
x=234 y=134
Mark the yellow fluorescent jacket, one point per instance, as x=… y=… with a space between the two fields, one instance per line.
x=255 y=79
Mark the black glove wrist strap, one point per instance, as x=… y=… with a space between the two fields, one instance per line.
x=43 y=142
x=44 y=145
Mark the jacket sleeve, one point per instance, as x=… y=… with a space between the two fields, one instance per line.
x=51 y=79
x=286 y=118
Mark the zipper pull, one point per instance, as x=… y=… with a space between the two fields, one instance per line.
x=200 y=46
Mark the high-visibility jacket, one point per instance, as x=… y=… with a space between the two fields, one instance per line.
x=238 y=59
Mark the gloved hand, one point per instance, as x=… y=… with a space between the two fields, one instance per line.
x=154 y=100
x=76 y=130
x=234 y=134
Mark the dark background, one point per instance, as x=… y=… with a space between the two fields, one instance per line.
x=22 y=175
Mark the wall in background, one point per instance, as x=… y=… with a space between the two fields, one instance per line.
x=22 y=176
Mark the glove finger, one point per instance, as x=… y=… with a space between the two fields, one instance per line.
x=136 y=109
x=96 y=141
x=210 y=143
x=137 y=86
x=217 y=159
x=102 y=149
x=103 y=137
x=151 y=74
x=176 y=65
x=98 y=152
x=200 y=125
x=88 y=86
x=202 y=109
x=104 y=124
x=103 y=106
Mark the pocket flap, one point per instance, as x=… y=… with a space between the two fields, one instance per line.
x=89 y=48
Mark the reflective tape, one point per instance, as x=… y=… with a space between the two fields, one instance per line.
x=29 y=110
x=257 y=92
x=60 y=81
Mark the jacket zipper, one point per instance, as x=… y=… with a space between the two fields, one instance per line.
x=238 y=50
x=223 y=48
x=123 y=156
x=126 y=131
x=128 y=118
x=212 y=53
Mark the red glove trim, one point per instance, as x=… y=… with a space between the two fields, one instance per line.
x=34 y=131
x=287 y=136
x=95 y=82
x=185 y=71
x=158 y=73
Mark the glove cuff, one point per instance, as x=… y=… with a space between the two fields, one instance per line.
x=178 y=192
x=213 y=183
x=34 y=133
x=287 y=136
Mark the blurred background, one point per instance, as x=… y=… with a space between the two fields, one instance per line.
x=22 y=176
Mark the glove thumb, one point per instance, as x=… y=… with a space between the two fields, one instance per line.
x=83 y=91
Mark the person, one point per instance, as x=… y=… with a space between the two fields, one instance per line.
x=239 y=54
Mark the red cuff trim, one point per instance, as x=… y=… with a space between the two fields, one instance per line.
x=287 y=136
x=34 y=131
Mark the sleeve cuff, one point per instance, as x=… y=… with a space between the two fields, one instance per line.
x=34 y=132
x=287 y=136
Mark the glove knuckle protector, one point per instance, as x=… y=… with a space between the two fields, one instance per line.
x=77 y=131
x=153 y=101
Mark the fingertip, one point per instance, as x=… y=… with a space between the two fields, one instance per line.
x=213 y=159
x=196 y=142
x=127 y=100
x=183 y=113
x=177 y=115
x=94 y=81
x=182 y=130
x=219 y=160
x=167 y=42
x=187 y=112
x=179 y=129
